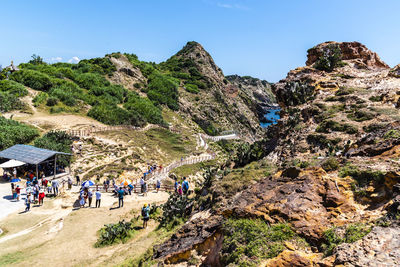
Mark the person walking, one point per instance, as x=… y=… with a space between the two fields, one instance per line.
x=28 y=202
x=18 y=191
x=98 y=198
x=13 y=191
x=121 y=193
x=141 y=185
x=15 y=172
x=145 y=215
x=90 y=197
x=180 y=190
x=78 y=180
x=176 y=185
x=69 y=183
x=41 y=197
x=158 y=185
x=185 y=186
x=54 y=184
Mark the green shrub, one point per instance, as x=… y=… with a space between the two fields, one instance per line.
x=40 y=99
x=247 y=241
x=57 y=141
x=112 y=233
x=376 y=98
x=330 y=164
x=362 y=177
x=13 y=88
x=90 y=80
x=330 y=59
x=101 y=65
x=392 y=134
x=192 y=88
x=322 y=141
x=175 y=210
x=113 y=115
x=12 y=132
x=328 y=125
x=361 y=115
x=9 y=102
x=374 y=127
x=163 y=90
x=145 y=108
x=351 y=233
x=33 y=79
x=52 y=101
x=344 y=91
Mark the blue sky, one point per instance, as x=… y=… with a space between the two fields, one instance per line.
x=261 y=38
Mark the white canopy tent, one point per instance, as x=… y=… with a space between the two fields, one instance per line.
x=12 y=163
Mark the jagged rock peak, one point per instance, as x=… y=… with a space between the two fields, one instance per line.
x=354 y=51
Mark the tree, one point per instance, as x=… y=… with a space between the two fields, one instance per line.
x=36 y=60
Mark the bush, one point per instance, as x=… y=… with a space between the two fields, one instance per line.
x=111 y=114
x=361 y=115
x=330 y=59
x=90 y=80
x=145 y=108
x=40 y=99
x=163 y=90
x=362 y=177
x=58 y=141
x=330 y=164
x=13 y=88
x=12 y=132
x=175 y=210
x=33 y=79
x=112 y=233
x=336 y=236
x=247 y=241
x=192 y=88
x=328 y=125
x=52 y=101
x=392 y=134
x=344 y=91
x=9 y=102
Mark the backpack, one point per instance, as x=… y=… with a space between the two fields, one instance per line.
x=144 y=212
x=185 y=185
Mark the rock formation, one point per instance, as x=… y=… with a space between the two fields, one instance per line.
x=337 y=148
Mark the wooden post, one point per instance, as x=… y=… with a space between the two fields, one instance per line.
x=55 y=165
x=37 y=172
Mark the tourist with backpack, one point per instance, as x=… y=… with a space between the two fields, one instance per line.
x=145 y=214
x=185 y=186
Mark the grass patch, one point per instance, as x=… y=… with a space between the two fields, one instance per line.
x=336 y=236
x=187 y=170
x=361 y=115
x=329 y=125
x=11 y=258
x=362 y=177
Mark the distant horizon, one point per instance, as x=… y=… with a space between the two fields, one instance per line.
x=262 y=39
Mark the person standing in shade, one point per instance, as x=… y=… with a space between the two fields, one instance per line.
x=121 y=193
x=98 y=198
x=15 y=172
x=90 y=197
x=13 y=191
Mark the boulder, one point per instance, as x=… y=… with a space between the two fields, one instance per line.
x=350 y=51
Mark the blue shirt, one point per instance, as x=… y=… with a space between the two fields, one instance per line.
x=121 y=193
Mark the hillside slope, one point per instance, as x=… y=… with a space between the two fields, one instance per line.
x=335 y=197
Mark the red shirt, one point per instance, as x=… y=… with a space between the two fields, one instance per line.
x=17 y=190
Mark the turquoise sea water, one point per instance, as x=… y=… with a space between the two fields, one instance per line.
x=273 y=116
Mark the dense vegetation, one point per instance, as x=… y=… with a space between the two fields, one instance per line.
x=330 y=59
x=12 y=132
x=114 y=232
x=58 y=141
x=10 y=92
x=247 y=241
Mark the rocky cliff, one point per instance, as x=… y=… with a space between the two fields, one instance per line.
x=337 y=149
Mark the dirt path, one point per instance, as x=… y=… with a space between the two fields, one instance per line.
x=57 y=235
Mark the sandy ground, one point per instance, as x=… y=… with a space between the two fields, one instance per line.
x=7 y=204
x=57 y=234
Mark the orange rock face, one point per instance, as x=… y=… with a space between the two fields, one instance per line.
x=350 y=51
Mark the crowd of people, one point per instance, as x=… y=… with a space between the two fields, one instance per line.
x=35 y=191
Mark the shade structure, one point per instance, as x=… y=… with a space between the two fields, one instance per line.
x=15 y=180
x=87 y=183
x=125 y=182
x=12 y=163
x=29 y=154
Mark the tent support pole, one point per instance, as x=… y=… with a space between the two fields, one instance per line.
x=69 y=165
x=37 y=172
x=55 y=165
